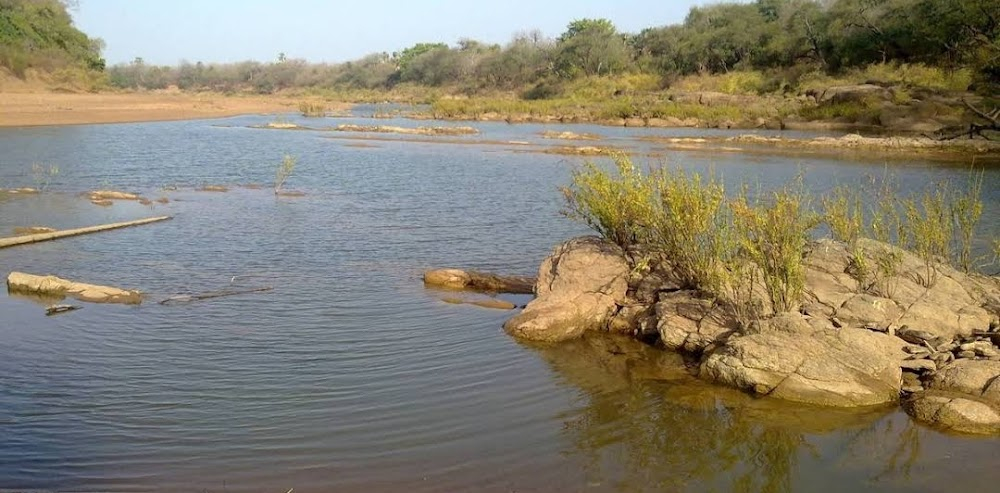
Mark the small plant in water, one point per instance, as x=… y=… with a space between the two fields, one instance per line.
x=285 y=170
x=43 y=175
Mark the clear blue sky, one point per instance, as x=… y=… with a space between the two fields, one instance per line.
x=168 y=31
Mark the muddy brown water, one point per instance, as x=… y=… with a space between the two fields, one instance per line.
x=349 y=375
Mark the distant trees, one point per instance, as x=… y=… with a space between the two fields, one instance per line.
x=807 y=35
x=592 y=47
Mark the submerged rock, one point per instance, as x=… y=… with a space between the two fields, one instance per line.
x=111 y=195
x=213 y=188
x=580 y=286
x=478 y=281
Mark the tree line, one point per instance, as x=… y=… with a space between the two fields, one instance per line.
x=790 y=37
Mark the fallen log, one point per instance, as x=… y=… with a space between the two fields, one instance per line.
x=35 y=238
x=19 y=282
x=479 y=281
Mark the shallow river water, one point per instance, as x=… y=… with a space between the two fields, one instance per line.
x=349 y=375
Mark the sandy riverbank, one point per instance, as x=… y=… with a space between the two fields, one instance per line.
x=47 y=108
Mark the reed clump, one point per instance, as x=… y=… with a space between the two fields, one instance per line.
x=312 y=109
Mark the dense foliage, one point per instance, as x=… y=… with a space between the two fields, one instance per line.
x=790 y=38
x=40 y=34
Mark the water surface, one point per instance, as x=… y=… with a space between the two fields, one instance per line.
x=350 y=376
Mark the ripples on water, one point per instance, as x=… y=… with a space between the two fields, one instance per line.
x=350 y=376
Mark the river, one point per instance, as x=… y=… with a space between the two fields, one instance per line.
x=349 y=375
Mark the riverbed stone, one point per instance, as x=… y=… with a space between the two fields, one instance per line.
x=837 y=368
x=580 y=286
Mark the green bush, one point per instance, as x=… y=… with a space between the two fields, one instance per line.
x=686 y=232
x=620 y=207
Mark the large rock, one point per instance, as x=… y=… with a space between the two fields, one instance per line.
x=580 y=286
x=839 y=368
x=954 y=304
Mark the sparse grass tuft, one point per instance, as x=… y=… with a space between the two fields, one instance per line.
x=930 y=222
x=773 y=233
x=966 y=210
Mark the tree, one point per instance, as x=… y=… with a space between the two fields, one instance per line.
x=591 y=47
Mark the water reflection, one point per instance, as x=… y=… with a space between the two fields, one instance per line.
x=645 y=424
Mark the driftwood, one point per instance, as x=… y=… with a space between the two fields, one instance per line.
x=976 y=130
x=65 y=233
x=19 y=282
x=479 y=281
x=191 y=298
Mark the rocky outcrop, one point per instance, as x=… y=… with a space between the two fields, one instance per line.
x=580 y=286
x=855 y=341
x=485 y=282
x=837 y=368
x=52 y=286
x=853 y=93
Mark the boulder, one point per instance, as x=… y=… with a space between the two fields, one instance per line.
x=962 y=396
x=19 y=282
x=580 y=287
x=837 y=368
x=955 y=412
x=979 y=378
